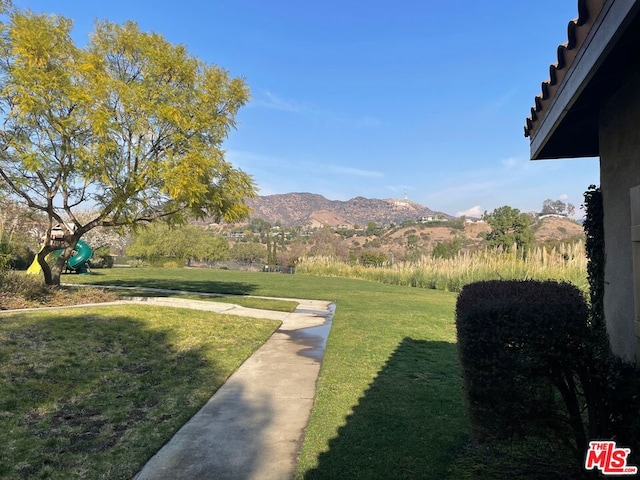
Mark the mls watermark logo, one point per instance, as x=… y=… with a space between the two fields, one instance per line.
x=609 y=459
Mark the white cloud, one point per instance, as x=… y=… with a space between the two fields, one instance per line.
x=399 y=188
x=510 y=162
x=564 y=196
x=353 y=171
x=475 y=211
x=272 y=101
x=362 y=122
x=499 y=102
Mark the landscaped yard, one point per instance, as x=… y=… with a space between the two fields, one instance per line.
x=389 y=402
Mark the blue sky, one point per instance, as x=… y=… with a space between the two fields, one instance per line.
x=377 y=98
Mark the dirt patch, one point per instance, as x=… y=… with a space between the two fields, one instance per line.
x=557 y=229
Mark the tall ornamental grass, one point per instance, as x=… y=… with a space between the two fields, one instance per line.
x=566 y=263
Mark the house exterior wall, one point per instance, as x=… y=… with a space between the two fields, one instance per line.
x=619 y=136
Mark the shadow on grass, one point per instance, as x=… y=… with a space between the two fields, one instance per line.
x=188 y=285
x=410 y=423
x=95 y=396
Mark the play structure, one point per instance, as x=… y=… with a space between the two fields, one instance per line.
x=77 y=263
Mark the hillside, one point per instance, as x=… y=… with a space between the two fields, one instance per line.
x=395 y=243
x=299 y=209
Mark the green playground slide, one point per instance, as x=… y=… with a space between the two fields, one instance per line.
x=78 y=260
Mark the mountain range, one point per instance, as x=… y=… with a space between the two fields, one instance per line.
x=300 y=209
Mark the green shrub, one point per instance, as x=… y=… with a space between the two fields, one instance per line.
x=6 y=254
x=373 y=259
x=615 y=383
x=536 y=366
x=101 y=258
x=518 y=340
x=594 y=248
x=447 y=249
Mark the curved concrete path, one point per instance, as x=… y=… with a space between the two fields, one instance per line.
x=253 y=427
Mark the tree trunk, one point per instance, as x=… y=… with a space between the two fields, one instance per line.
x=46 y=269
x=52 y=274
x=58 y=267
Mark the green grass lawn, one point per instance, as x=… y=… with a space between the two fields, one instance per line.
x=94 y=392
x=389 y=401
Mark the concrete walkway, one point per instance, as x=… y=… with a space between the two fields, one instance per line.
x=253 y=427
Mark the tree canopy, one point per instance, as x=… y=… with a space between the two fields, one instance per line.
x=129 y=126
x=557 y=207
x=509 y=227
x=184 y=242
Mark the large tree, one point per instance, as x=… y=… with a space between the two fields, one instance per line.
x=509 y=227
x=184 y=242
x=129 y=126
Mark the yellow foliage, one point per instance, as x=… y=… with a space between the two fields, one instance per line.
x=130 y=122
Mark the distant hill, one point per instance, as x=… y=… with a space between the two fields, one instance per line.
x=393 y=242
x=299 y=209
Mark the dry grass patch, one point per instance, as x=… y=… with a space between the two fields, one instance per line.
x=18 y=290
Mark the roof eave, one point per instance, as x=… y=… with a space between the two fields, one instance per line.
x=549 y=139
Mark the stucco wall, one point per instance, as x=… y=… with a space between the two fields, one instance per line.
x=619 y=171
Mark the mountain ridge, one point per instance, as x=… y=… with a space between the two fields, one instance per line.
x=304 y=208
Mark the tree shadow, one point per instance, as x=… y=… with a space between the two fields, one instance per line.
x=410 y=423
x=196 y=286
x=213 y=444
x=95 y=396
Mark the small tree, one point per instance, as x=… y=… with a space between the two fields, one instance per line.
x=248 y=252
x=373 y=259
x=372 y=229
x=324 y=242
x=129 y=125
x=447 y=249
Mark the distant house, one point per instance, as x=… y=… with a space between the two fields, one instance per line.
x=590 y=107
x=236 y=235
x=432 y=218
x=551 y=215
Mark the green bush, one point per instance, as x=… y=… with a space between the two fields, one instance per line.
x=6 y=254
x=373 y=259
x=536 y=366
x=594 y=246
x=447 y=249
x=101 y=258
x=518 y=340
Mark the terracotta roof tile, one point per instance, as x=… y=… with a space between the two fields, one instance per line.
x=577 y=31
